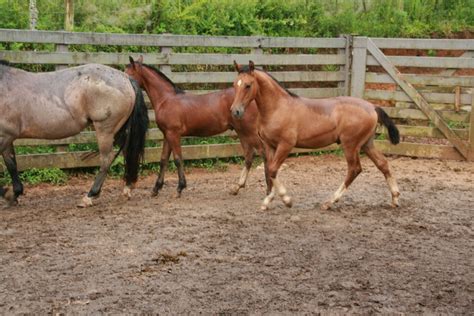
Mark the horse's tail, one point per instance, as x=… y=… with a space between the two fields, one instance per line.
x=384 y=119
x=131 y=137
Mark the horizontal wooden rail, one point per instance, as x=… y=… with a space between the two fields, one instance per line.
x=67 y=160
x=434 y=80
x=74 y=58
x=154 y=134
x=401 y=96
x=418 y=43
x=415 y=114
x=170 y=40
x=282 y=76
x=426 y=62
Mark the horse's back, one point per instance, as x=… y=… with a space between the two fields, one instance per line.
x=61 y=103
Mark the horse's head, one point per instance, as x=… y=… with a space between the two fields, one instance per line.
x=246 y=87
x=135 y=70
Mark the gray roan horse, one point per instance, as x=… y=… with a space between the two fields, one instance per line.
x=60 y=104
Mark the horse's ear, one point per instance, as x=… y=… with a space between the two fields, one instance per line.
x=237 y=67
x=251 y=66
x=140 y=59
x=132 y=62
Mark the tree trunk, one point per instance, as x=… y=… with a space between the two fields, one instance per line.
x=69 y=17
x=33 y=14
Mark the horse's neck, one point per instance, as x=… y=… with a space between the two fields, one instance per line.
x=157 y=87
x=269 y=95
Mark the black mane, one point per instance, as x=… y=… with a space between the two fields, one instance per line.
x=177 y=90
x=246 y=69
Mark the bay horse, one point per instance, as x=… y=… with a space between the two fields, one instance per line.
x=287 y=121
x=59 y=104
x=181 y=114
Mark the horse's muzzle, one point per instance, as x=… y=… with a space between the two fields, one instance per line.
x=238 y=111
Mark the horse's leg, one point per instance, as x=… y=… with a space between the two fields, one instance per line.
x=382 y=164
x=10 y=161
x=267 y=153
x=353 y=170
x=105 y=142
x=248 y=156
x=275 y=159
x=165 y=157
x=174 y=141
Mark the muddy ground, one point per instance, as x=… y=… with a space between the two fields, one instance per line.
x=214 y=253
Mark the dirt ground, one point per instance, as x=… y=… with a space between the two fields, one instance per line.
x=213 y=253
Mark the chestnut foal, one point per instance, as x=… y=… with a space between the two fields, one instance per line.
x=287 y=121
x=181 y=114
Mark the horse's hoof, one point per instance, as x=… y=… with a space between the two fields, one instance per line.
x=86 y=202
x=234 y=191
x=9 y=196
x=154 y=193
x=127 y=192
x=11 y=204
x=287 y=200
x=264 y=208
x=178 y=195
x=326 y=206
x=395 y=203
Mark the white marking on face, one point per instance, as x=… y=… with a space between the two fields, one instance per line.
x=239 y=83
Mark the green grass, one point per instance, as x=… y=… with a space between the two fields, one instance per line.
x=36 y=176
x=457 y=124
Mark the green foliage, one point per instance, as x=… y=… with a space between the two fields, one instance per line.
x=24 y=150
x=48 y=175
x=83 y=147
x=317 y=18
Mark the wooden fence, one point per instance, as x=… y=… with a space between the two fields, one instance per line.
x=310 y=67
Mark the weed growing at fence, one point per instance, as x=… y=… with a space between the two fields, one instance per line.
x=36 y=175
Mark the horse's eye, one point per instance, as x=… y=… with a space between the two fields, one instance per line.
x=247 y=86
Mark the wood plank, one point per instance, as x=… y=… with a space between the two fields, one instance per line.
x=434 y=80
x=471 y=129
x=397 y=96
x=423 y=131
x=434 y=117
x=419 y=43
x=435 y=106
x=416 y=114
x=359 y=61
x=303 y=92
x=426 y=62
x=258 y=59
x=73 y=159
x=282 y=76
x=74 y=58
x=88 y=137
x=70 y=160
x=419 y=150
x=170 y=40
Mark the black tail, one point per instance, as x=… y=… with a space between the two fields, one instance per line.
x=393 y=133
x=131 y=137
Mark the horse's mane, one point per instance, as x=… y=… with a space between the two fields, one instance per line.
x=246 y=69
x=177 y=90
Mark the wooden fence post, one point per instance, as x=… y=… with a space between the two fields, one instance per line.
x=68 y=27
x=471 y=129
x=345 y=85
x=166 y=68
x=359 y=62
x=61 y=48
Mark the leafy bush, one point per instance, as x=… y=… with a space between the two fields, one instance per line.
x=49 y=175
x=318 y=18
